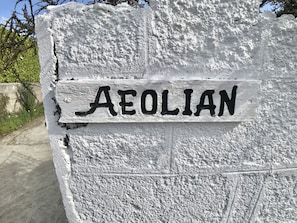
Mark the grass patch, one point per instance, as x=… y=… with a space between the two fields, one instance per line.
x=12 y=122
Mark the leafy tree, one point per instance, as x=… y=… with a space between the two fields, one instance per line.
x=18 y=63
x=18 y=46
x=281 y=7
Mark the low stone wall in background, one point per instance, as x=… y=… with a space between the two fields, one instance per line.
x=11 y=89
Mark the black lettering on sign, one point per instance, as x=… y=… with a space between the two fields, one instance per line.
x=210 y=105
x=108 y=104
x=165 y=110
x=229 y=102
x=124 y=103
x=144 y=95
x=147 y=96
x=188 y=93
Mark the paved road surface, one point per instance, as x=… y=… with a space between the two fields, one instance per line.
x=28 y=185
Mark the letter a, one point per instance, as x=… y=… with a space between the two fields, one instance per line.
x=210 y=106
x=108 y=104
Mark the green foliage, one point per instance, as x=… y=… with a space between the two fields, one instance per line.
x=288 y=7
x=11 y=122
x=18 y=62
x=27 y=66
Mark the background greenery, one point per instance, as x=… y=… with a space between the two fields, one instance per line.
x=18 y=62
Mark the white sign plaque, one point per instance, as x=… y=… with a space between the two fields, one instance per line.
x=139 y=100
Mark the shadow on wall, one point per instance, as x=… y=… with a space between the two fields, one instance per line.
x=10 y=90
x=30 y=191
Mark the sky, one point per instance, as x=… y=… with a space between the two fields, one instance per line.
x=6 y=7
x=266 y=7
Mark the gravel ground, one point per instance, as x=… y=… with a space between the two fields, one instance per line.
x=28 y=184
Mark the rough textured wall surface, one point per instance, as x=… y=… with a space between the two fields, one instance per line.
x=175 y=172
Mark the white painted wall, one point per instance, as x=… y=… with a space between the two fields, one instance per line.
x=175 y=172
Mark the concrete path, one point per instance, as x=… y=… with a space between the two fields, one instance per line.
x=28 y=184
